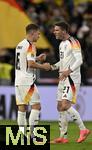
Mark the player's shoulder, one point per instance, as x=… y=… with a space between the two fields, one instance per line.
x=74 y=44
x=65 y=44
x=23 y=44
x=74 y=41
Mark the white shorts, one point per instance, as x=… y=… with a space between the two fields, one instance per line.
x=26 y=94
x=67 y=90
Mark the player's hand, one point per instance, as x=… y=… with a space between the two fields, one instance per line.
x=64 y=74
x=47 y=66
x=41 y=57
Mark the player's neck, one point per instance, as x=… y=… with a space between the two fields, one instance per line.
x=29 y=39
x=66 y=37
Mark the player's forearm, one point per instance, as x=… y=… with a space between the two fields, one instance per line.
x=41 y=57
x=77 y=63
x=55 y=66
x=35 y=65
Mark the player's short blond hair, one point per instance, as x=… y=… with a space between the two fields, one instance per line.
x=31 y=27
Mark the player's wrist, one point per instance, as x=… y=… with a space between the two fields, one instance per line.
x=53 y=67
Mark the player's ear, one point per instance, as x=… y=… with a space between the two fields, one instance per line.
x=64 y=31
x=32 y=32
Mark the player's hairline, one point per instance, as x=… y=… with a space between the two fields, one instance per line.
x=62 y=24
x=31 y=27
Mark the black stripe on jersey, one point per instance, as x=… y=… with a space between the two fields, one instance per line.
x=29 y=42
x=71 y=81
x=72 y=84
x=73 y=40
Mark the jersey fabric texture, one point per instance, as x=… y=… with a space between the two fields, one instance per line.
x=26 y=90
x=26 y=94
x=67 y=91
x=70 y=57
x=23 y=75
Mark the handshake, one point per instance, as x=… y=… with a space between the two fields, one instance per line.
x=46 y=66
x=41 y=58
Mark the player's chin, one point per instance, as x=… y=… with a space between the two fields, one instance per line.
x=36 y=40
x=57 y=37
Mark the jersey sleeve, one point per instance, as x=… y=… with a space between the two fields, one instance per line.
x=30 y=53
x=78 y=62
x=75 y=45
x=76 y=50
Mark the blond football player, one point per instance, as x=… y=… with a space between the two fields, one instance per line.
x=26 y=90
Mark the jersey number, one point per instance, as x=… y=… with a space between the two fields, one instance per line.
x=66 y=89
x=18 y=61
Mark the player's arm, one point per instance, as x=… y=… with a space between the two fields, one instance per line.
x=41 y=57
x=35 y=65
x=78 y=60
x=55 y=66
x=31 y=62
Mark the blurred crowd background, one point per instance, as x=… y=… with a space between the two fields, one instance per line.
x=78 y=13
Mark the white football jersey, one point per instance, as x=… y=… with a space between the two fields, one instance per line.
x=24 y=51
x=70 y=56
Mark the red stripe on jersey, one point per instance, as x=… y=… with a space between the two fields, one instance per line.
x=74 y=43
x=29 y=94
x=73 y=89
x=29 y=48
x=78 y=43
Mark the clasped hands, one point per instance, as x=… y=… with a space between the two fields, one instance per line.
x=46 y=66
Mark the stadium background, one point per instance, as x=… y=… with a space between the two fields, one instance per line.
x=14 y=16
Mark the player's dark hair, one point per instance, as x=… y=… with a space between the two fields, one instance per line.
x=64 y=25
x=31 y=27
